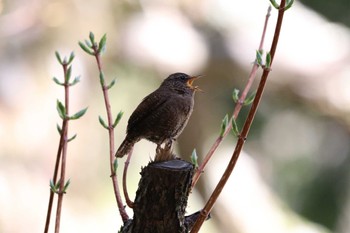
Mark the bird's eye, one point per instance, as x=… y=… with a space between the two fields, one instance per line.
x=183 y=77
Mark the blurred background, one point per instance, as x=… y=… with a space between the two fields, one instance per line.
x=294 y=173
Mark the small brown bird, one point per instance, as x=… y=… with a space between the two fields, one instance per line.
x=162 y=115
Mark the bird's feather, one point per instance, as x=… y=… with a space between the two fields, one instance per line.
x=148 y=106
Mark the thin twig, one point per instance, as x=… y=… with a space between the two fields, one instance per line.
x=52 y=194
x=125 y=189
x=116 y=189
x=252 y=74
x=236 y=111
x=61 y=186
x=64 y=152
x=241 y=140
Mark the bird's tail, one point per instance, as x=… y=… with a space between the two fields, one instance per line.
x=125 y=147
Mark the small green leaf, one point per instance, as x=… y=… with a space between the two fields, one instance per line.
x=78 y=114
x=57 y=82
x=66 y=186
x=68 y=74
x=61 y=110
x=274 y=4
x=58 y=184
x=289 y=4
x=115 y=165
x=88 y=43
x=102 y=44
x=52 y=186
x=59 y=129
x=92 y=38
x=58 y=57
x=224 y=125
x=72 y=138
x=234 y=127
x=71 y=57
x=249 y=100
x=194 y=158
x=102 y=79
x=235 y=95
x=268 y=61
x=86 y=49
x=118 y=118
x=102 y=122
x=111 y=84
x=75 y=81
x=259 y=58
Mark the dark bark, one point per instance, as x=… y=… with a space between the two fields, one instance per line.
x=161 y=198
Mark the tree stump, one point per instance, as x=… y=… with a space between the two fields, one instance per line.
x=161 y=198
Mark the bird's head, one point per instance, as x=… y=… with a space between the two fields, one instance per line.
x=181 y=81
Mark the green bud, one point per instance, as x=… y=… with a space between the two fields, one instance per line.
x=235 y=95
x=274 y=4
x=68 y=74
x=118 y=118
x=102 y=44
x=72 y=138
x=224 y=125
x=57 y=185
x=102 y=122
x=86 y=49
x=289 y=4
x=268 y=61
x=75 y=81
x=249 y=100
x=259 y=57
x=111 y=84
x=59 y=129
x=78 y=114
x=102 y=79
x=88 y=43
x=92 y=38
x=57 y=82
x=58 y=57
x=52 y=186
x=194 y=158
x=115 y=165
x=66 y=186
x=71 y=57
x=234 y=127
x=61 y=110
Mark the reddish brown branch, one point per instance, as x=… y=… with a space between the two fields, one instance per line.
x=241 y=140
x=52 y=194
x=61 y=154
x=237 y=109
x=116 y=189
x=125 y=189
x=64 y=151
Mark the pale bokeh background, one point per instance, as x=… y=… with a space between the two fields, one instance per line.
x=293 y=176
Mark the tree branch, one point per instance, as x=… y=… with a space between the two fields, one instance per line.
x=242 y=138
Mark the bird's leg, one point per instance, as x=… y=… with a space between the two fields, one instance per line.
x=169 y=144
x=159 y=148
x=125 y=190
x=164 y=154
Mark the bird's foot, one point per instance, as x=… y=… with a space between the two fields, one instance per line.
x=169 y=145
x=164 y=154
x=158 y=149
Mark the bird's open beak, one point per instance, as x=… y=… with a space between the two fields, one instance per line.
x=190 y=82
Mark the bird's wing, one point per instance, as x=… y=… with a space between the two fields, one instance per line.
x=148 y=105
